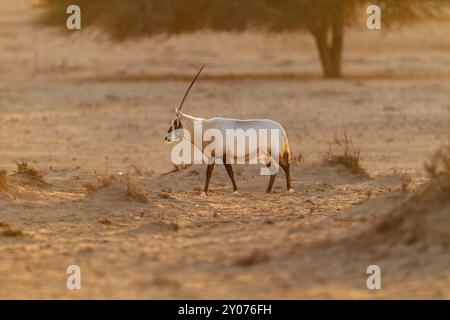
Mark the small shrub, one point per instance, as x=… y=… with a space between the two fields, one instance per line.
x=438 y=168
x=349 y=157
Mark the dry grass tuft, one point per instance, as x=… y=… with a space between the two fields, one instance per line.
x=135 y=191
x=12 y=233
x=132 y=188
x=299 y=158
x=406 y=180
x=24 y=169
x=101 y=183
x=438 y=169
x=348 y=156
x=165 y=195
x=104 y=220
x=4 y=183
x=8 y=231
x=5 y=225
x=255 y=257
x=137 y=170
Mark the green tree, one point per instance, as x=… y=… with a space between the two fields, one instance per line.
x=325 y=20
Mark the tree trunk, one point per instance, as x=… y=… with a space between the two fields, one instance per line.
x=336 y=46
x=330 y=53
x=320 y=36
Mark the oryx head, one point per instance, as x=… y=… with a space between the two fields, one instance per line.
x=175 y=132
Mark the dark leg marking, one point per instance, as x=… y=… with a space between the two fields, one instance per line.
x=209 y=172
x=229 y=169
x=287 y=171
x=271 y=181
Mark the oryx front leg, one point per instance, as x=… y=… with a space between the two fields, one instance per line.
x=231 y=175
x=271 y=181
x=209 y=172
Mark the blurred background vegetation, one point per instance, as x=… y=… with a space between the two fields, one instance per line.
x=325 y=20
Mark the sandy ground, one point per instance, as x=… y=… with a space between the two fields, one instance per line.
x=80 y=108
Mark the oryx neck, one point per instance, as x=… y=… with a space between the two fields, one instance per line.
x=190 y=118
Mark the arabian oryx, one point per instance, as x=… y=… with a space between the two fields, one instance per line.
x=274 y=152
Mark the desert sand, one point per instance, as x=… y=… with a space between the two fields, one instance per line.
x=91 y=116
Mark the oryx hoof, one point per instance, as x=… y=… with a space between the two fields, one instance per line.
x=236 y=192
x=203 y=194
x=291 y=190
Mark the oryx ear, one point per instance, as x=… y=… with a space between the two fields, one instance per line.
x=180 y=115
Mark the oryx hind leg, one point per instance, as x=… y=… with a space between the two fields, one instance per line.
x=284 y=163
x=230 y=173
x=287 y=172
x=272 y=180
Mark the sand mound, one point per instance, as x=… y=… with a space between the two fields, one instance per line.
x=28 y=180
x=155 y=228
x=23 y=186
x=314 y=173
x=423 y=219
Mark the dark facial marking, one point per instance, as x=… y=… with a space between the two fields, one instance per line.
x=176 y=124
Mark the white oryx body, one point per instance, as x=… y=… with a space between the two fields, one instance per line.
x=229 y=152
x=241 y=130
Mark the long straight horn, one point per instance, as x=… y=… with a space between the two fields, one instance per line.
x=192 y=83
